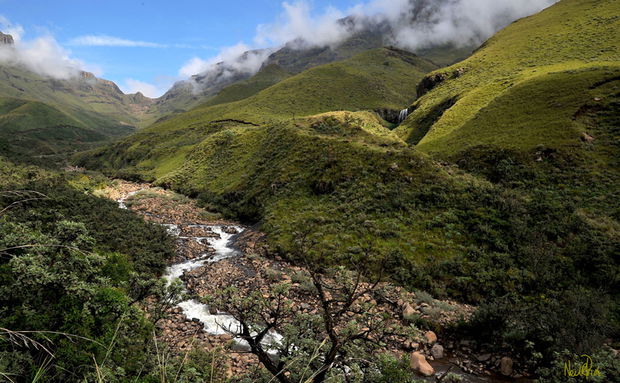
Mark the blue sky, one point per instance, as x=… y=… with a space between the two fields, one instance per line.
x=176 y=31
x=147 y=45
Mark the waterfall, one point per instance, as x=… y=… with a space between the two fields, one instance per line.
x=403 y=115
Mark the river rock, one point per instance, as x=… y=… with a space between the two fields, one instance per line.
x=437 y=351
x=483 y=357
x=419 y=364
x=408 y=311
x=430 y=337
x=240 y=347
x=506 y=366
x=230 y=230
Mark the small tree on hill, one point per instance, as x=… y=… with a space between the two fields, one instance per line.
x=339 y=331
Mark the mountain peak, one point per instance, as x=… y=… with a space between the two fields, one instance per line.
x=86 y=75
x=6 y=39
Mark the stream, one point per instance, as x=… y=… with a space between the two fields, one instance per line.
x=214 y=324
x=219 y=240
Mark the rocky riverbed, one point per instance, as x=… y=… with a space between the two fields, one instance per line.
x=213 y=253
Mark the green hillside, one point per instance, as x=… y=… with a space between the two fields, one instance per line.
x=500 y=189
x=93 y=102
x=524 y=86
x=378 y=79
x=290 y=59
x=30 y=130
x=266 y=77
x=21 y=115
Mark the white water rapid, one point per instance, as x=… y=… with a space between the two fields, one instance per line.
x=121 y=202
x=218 y=323
x=220 y=241
x=213 y=324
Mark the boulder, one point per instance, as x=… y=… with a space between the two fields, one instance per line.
x=437 y=351
x=240 y=346
x=430 y=337
x=505 y=366
x=483 y=357
x=408 y=311
x=420 y=365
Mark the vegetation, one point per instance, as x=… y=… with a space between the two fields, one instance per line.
x=266 y=77
x=524 y=85
x=34 y=132
x=379 y=79
x=519 y=217
x=94 y=103
x=73 y=270
x=501 y=189
x=342 y=336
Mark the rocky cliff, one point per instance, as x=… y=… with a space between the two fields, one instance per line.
x=6 y=39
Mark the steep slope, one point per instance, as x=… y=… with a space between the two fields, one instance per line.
x=269 y=75
x=378 y=79
x=523 y=87
x=31 y=129
x=524 y=222
x=92 y=101
x=294 y=57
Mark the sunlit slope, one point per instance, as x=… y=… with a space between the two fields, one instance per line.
x=34 y=129
x=523 y=87
x=382 y=78
x=378 y=79
x=94 y=102
x=266 y=77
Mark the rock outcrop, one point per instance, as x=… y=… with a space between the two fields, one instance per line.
x=6 y=39
x=433 y=80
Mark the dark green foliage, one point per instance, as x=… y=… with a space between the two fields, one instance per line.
x=113 y=229
x=71 y=268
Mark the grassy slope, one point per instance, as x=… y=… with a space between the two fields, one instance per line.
x=93 y=102
x=533 y=241
x=266 y=77
x=378 y=79
x=340 y=168
x=30 y=128
x=523 y=87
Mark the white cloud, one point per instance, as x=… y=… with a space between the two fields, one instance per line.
x=232 y=61
x=460 y=22
x=297 y=22
x=42 y=55
x=111 y=41
x=414 y=24
x=237 y=57
x=149 y=90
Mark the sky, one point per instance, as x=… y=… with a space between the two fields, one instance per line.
x=175 y=32
x=147 y=45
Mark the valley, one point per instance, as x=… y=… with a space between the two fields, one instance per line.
x=427 y=193
x=212 y=254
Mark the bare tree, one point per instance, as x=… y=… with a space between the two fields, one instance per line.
x=345 y=323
